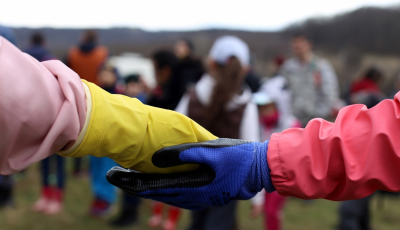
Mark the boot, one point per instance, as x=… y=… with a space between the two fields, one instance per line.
x=44 y=200
x=127 y=217
x=156 y=219
x=99 y=208
x=172 y=220
x=55 y=204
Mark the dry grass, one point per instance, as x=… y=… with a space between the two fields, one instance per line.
x=320 y=215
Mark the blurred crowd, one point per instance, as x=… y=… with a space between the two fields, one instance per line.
x=227 y=97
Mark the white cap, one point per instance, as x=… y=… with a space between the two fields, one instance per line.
x=262 y=98
x=229 y=46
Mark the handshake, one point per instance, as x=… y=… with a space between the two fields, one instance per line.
x=228 y=170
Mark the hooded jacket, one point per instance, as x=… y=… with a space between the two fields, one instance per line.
x=86 y=60
x=249 y=128
x=277 y=88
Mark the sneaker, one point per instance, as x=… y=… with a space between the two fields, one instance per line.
x=41 y=204
x=155 y=221
x=53 y=207
x=169 y=225
x=99 y=208
x=43 y=201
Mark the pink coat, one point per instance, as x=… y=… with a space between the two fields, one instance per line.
x=42 y=110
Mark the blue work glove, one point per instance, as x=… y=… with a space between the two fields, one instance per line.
x=229 y=170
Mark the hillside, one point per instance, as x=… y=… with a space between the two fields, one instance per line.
x=351 y=41
x=366 y=30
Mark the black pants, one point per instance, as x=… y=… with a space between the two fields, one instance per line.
x=354 y=214
x=215 y=218
x=6 y=186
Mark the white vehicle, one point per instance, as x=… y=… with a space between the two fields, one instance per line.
x=133 y=63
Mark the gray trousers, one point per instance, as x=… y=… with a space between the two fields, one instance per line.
x=354 y=214
x=215 y=218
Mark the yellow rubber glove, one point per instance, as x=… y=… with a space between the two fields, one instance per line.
x=125 y=130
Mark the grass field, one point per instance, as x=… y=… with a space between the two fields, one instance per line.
x=320 y=215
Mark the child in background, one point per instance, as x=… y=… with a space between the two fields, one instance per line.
x=51 y=198
x=134 y=87
x=50 y=201
x=221 y=102
x=128 y=216
x=273 y=102
x=166 y=96
x=104 y=192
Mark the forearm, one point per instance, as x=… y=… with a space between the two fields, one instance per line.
x=42 y=108
x=348 y=159
x=129 y=132
x=45 y=108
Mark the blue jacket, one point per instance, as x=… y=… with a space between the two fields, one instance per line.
x=39 y=53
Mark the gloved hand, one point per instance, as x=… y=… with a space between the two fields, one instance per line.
x=125 y=130
x=229 y=170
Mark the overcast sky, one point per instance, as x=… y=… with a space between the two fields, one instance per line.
x=173 y=14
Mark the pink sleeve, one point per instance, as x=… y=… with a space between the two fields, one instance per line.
x=42 y=108
x=348 y=159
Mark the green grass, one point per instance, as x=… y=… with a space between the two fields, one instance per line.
x=320 y=215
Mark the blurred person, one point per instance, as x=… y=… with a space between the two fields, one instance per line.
x=134 y=87
x=396 y=87
x=366 y=90
x=129 y=214
x=274 y=107
x=166 y=96
x=6 y=182
x=252 y=79
x=312 y=81
x=180 y=162
x=221 y=102
x=8 y=33
x=130 y=204
x=86 y=59
x=277 y=64
x=51 y=198
x=355 y=214
x=103 y=192
x=190 y=68
x=37 y=48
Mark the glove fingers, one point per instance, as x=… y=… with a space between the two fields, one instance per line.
x=134 y=182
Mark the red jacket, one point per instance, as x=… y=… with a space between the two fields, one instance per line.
x=348 y=159
x=365 y=84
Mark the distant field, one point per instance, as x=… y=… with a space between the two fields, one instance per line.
x=320 y=215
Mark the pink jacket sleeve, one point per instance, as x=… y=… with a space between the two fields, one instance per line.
x=42 y=108
x=348 y=159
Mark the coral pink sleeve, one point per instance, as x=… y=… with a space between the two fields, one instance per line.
x=348 y=159
x=42 y=108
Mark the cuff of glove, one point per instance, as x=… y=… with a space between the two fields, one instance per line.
x=259 y=176
x=265 y=171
